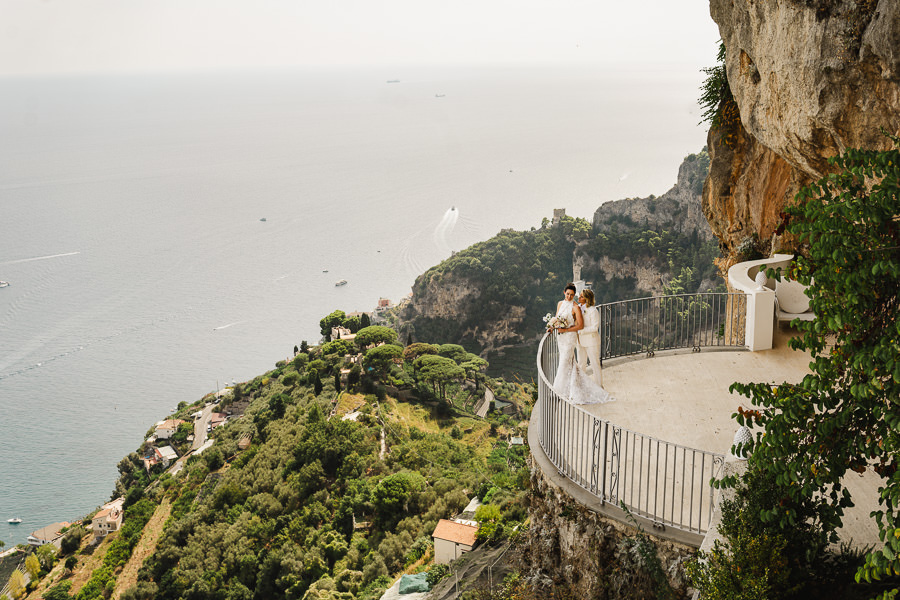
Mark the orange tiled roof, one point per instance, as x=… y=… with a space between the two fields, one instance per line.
x=455 y=532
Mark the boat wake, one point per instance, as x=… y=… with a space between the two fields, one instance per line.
x=229 y=325
x=24 y=260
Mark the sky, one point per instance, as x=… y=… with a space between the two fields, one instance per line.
x=44 y=37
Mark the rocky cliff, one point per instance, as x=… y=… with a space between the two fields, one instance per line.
x=809 y=78
x=491 y=296
x=677 y=212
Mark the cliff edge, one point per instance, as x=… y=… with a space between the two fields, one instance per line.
x=810 y=78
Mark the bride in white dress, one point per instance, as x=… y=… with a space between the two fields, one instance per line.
x=571 y=381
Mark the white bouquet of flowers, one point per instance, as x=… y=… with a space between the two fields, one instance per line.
x=556 y=322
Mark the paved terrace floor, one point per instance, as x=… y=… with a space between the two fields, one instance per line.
x=683 y=397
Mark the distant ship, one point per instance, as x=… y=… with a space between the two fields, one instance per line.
x=263 y=219
x=14 y=521
x=393 y=81
x=439 y=95
x=340 y=283
x=4 y=284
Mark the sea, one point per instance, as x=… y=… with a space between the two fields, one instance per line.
x=165 y=235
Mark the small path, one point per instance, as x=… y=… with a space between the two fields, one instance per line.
x=144 y=548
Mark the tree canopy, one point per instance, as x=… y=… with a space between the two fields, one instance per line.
x=843 y=415
x=375 y=334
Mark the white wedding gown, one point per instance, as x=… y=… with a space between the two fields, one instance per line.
x=571 y=382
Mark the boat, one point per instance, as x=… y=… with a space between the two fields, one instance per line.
x=14 y=521
x=324 y=270
x=263 y=219
x=340 y=283
x=4 y=284
x=393 y=81
x=440 y=95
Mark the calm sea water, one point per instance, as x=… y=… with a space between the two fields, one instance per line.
x=142 y=274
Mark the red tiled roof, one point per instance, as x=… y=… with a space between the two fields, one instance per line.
x=455 y=532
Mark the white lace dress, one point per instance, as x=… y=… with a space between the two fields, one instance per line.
x=571 y=382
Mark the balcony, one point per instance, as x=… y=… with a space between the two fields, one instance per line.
x=669 y=362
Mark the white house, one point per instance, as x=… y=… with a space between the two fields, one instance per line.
x=51 y=534
x=165 y=455
x=451 y=539
x=166 y=429
x=108 y=519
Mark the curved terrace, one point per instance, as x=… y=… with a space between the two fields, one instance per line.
x=670 y=431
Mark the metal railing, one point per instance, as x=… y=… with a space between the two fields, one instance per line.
x=693 y=321
x=664 y=482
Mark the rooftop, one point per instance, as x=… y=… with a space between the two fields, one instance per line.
x=455 y=532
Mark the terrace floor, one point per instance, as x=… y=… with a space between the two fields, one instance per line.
x=683 y=397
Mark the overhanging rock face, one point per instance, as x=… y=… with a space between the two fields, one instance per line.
x=808 y=84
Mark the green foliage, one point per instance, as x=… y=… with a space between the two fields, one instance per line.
x=436 y=574
x=843 y=415
x=375 y=334
x=453 y=351
x=719 y=107
x=58 y=592
x=338 y=347
x=381 y=358
x=335 y=319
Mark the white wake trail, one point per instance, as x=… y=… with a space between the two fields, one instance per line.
x=23 y=260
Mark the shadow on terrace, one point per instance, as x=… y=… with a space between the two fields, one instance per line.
x=669 y=362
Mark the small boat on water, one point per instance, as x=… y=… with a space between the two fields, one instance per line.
x=14 y=521
x=340 y=283
x=4 y=284
x=263 y=219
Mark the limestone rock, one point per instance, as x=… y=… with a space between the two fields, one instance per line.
x=809 y=82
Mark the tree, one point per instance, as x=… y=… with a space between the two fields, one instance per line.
x=33 y=566
x=46 y=556
x=351 y=323
x=16 y=584
x=473 y=364
x=339 y=347
x=332 y=320
x=353 y=376
x=337 y=381
x=71 y=563
x=364 y=320
x=438 y=370
x=454 y=351
x=843 y=415
x=375 y=334
x=381 y=358
x=317 y=384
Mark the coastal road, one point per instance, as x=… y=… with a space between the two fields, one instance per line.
x=199 y=438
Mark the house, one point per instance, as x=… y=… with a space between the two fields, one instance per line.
x=51 y=534
x=108 y=519
x=166 y=429
x=165 y=455
x=216 y=419
x=342 y=333
x=452 y=539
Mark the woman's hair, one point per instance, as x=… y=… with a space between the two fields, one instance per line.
x=589 y=296
x=571 y=286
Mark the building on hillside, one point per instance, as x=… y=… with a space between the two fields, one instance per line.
x=558 y=215
x=108 y=519
x=217 y=419
x=51 y=534
x=452 y=539
x=165 y=455
x=342 y=333
x=166 y=429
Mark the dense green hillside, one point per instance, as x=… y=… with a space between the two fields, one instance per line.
x=324 y=507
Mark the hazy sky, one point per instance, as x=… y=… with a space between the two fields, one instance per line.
x=72 y=36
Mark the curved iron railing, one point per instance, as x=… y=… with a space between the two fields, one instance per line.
x=692 y=321
x=666 y=483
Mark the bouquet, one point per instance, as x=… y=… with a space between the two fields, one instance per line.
x=556 y=322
